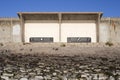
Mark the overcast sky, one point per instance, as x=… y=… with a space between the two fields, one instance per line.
x=9 y=8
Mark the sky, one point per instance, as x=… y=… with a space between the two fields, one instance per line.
x=9 y=8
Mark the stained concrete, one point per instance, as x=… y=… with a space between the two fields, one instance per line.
x=110 y=30
x=10 y=30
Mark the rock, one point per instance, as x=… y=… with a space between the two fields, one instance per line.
x=65 y=71
x=48 y=68
x=111 y=78
x=48 y=77
x=7 y=74
x=54 y=74
x=31 y=78
x=54 y=68
x=4 y=78
x=55 y=78
x=65 y=78
x=28 y=70
x=39 y=78
x=8 y=69
x=22 y=70
x=1 y=68
x=32 y=74
x=1 y=71
x=19 y=75
x=23 y=79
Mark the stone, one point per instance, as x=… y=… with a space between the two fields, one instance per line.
x=7 y=68
x=65 y=71
x=111 y=78
x=19 y=75
x=56 y=69
x=22 y=70
x=65 y=78
x=47 y=77
x=48 y=68
x=28 y=70
x=38 y=72
x=39 y=78
x=1 y=71
x=97 y=70
x=32 y=73
x=7 y=74
x=55 y=78
x=31 y=78
x=5 y=77
x=1 y=68
x=54 y=74
x=23 y=79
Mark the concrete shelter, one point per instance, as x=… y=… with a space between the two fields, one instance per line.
x=68 y=27
x=60 y=26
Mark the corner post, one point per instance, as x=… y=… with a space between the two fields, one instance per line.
x=11 y=32
x=22 y=28
x=60 y=20
x=97 y=27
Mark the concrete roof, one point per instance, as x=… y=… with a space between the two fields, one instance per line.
x=57 y=15
x=60 y=12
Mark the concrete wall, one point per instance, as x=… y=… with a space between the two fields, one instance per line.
x=5 y=31
x=81 y=29
x=42 y=30
x=10 y=30
x=16 y=33
x=110 y=30
x=68 y=29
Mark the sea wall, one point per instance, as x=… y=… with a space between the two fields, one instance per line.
x=10 y=30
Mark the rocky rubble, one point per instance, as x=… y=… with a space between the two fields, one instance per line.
x=56 y=67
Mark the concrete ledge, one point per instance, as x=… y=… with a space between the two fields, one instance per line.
x=60 y=48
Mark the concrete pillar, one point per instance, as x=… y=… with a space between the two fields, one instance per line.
x=60 y=18
x=97 y=27
x=22 y=28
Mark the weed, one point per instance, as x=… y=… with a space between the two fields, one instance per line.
x=62 y=45
x=109 y=43
x=1 y=44
x=55 y=49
